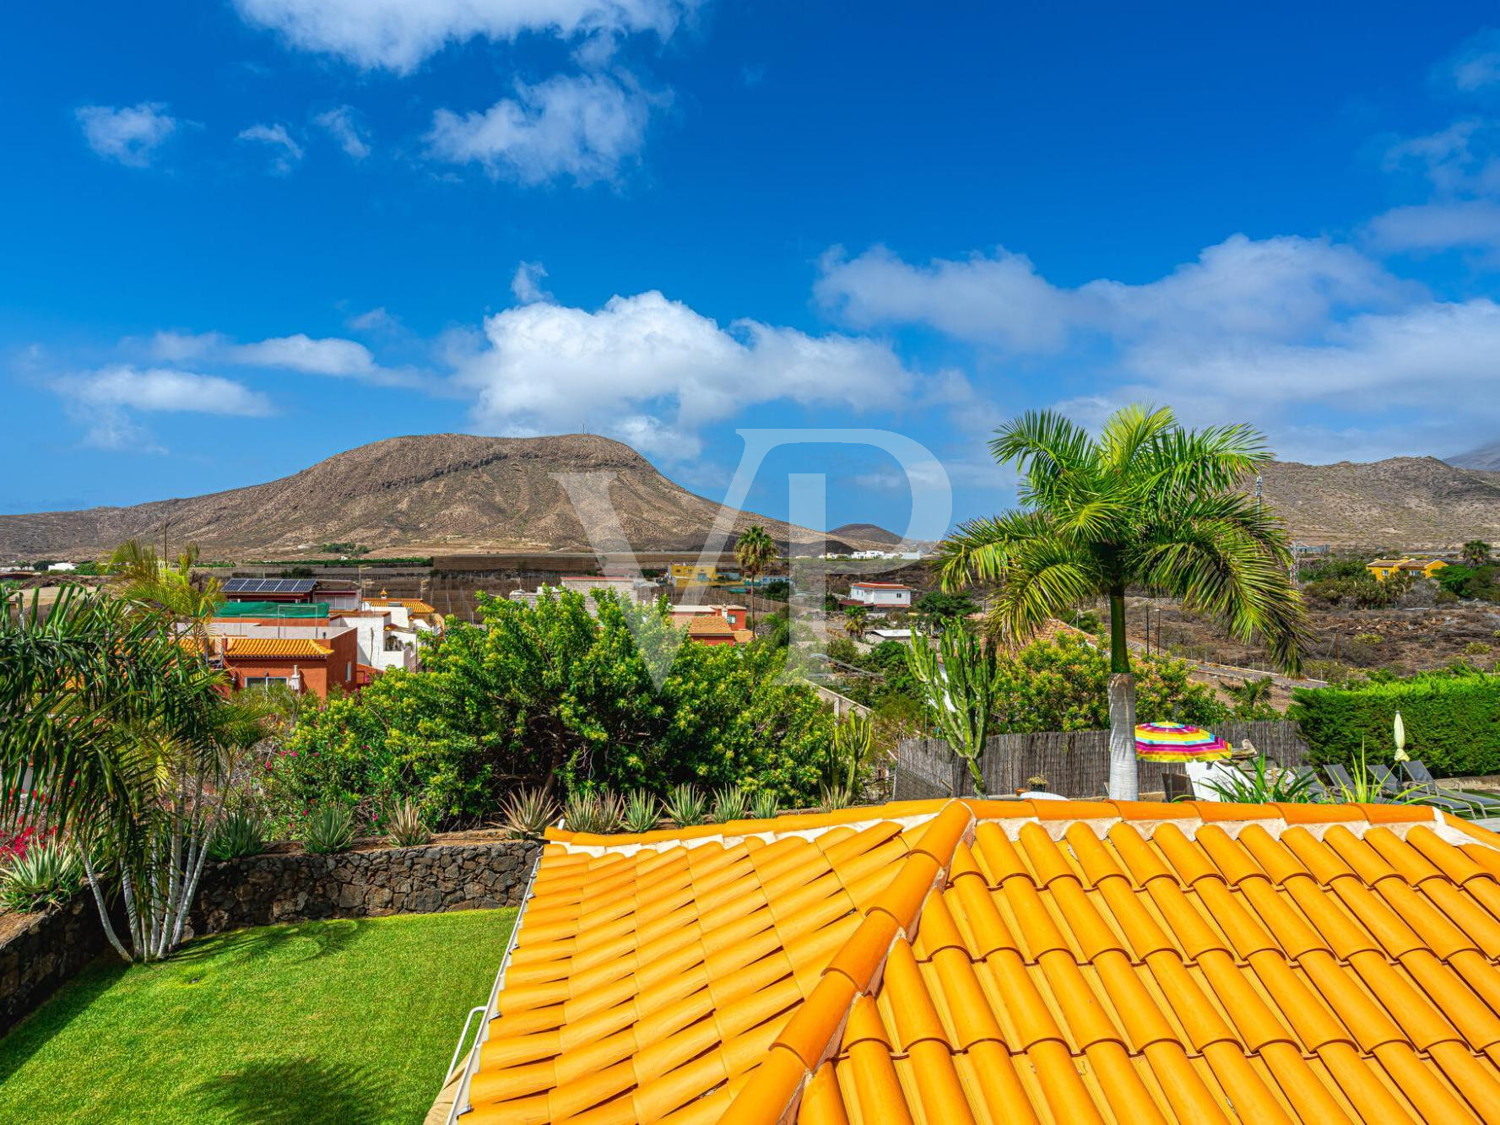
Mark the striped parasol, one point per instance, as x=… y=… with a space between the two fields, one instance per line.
x=1178 y=742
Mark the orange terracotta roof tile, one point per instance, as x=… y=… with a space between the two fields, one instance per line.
x=278 y=647
x=978 y=961
x=413 y=605
x=709 y=625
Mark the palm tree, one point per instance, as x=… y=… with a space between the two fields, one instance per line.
x=1146 y=503
x=854 y=621
x=1252 y=698
x=134 y=742
x=1476 y=553
x=753 y=550
x=170 y=592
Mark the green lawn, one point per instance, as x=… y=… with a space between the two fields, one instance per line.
x=348 y=1021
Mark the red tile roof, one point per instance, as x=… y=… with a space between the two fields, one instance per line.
x=1049 y=961
x=709 y=625
x=279 y=647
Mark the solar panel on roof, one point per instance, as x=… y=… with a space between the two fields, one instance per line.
x=269 y=585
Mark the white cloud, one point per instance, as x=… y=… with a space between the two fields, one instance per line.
x=1296 y=335
x=398 y=35
x=1462 y=165
x=527 y=283
x=583 y=128
x=1277 y=288
x=342 y=127
x=128 y=134
x=1439 y=226
x=330 y=355
x=286 y=153
x=105 y=401
x=375 y=320
x=1476 y=64
x=652 y=371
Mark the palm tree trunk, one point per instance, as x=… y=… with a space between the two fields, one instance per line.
x=1123 y=773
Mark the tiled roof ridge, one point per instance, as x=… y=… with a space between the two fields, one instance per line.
x=1054 y=816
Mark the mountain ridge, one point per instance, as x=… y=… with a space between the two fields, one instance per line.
x=1486 y=458
x=1401 y=503
x=457 y=493
x=415 y=494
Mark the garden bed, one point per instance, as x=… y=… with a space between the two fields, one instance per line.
x=350 y=1020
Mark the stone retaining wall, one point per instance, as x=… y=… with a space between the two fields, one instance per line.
x=36 y=960
x=259 y=890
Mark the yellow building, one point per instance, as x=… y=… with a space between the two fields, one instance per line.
x=1384 y=568
x=688 y=576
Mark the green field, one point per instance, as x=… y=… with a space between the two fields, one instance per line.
x=347 y=1021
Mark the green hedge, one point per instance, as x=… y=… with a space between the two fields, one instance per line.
x=1452 y=722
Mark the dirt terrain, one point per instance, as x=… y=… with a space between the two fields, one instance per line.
x=1344 y=641
x=425 y=494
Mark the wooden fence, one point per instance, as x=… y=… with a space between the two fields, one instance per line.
x=1075 y=763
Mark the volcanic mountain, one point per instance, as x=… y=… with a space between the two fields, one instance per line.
x=1400 y=504
x=423 y=494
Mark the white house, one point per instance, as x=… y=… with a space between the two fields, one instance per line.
x=62 y=566
x=879 y=595
x=381 y=643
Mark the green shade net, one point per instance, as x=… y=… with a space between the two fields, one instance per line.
x=272 y=609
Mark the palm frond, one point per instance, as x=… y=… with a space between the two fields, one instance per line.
x=1182 y=463
x=1046 y=578
x=1219 y=558
x=1130 y=430
x=980 y=549
x=1054 y=456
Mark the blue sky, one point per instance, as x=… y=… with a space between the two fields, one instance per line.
x=242 y=235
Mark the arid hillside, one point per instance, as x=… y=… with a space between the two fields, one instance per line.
x=411 y=495
x=1402 y=504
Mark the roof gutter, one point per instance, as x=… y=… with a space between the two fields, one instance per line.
x=471 y=1061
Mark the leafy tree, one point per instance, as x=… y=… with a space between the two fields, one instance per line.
x=548 y=695
x=842 y=649
x=1062 y=684
x=1252 y=699
x=1476 y=553
x=960 y=682
x=754 y=550
x=1147 y=503
x=940 y=606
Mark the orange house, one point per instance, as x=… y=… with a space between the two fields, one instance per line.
x=302 y=664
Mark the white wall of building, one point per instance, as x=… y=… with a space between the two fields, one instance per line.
x=881 y=597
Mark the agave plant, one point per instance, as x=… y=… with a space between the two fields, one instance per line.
x=599 y=812
x=526 y=814
x=686 y=806
x=642 y=810
x=765 y=805
x=835 y=797
x=329 y=829
x=729 y=803
x=240 y=833
x=1262 y=785
x=49 y=874
x=407 y=829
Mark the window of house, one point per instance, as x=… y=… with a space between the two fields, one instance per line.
x=264 y=681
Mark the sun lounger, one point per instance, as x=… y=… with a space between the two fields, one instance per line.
x=1343 y=784
x=1391 y=788
x=1314 y=788
x=1422 y=778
